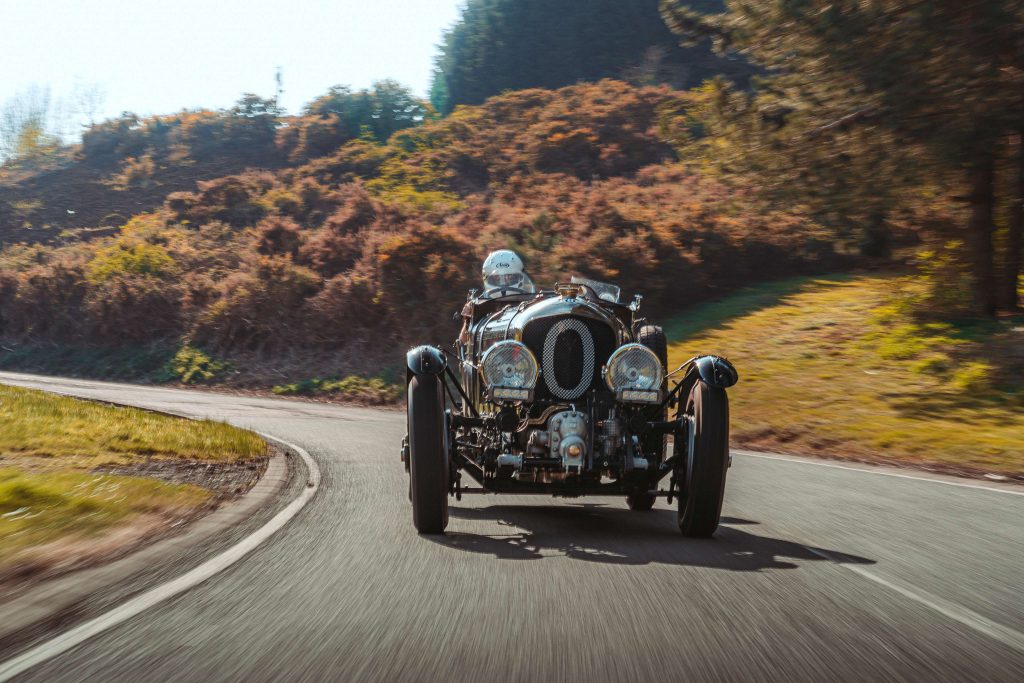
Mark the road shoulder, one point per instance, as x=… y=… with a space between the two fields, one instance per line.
x=54 y=602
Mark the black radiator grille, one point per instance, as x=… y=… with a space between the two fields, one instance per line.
x=571 y=351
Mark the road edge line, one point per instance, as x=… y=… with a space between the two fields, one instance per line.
x=876 y=469
x=967 y=617
x=45 y=602
x=83 y=632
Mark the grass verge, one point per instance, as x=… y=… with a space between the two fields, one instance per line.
x=59 y=493
x=839 y=366
x=353 y=389
x=68 y=431
x=40 y=508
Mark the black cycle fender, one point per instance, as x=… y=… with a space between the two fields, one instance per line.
x=716 y=371
x=425 y=360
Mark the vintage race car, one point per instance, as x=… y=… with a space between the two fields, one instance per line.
x=565 y=392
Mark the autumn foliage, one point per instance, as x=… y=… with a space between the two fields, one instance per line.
x=373 y=246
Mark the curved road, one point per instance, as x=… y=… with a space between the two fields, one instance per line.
x=819 y=573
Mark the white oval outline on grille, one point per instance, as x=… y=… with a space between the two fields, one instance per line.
x=549 y=358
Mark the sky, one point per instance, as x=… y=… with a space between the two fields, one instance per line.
x=160 y=56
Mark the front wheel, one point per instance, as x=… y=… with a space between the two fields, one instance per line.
x=428 y=459
x=703 y=482
x=653 y=337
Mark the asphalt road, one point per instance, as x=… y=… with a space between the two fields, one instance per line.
x=819 y=573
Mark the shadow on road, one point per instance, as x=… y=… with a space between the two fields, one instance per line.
x=597 y=533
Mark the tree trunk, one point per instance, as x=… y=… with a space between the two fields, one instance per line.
x=983 y=291
x=877 y=241
x=1015 y=235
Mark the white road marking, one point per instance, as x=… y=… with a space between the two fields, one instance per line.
x=122 y=613
x=137 y=605
x=868 y=470
x=1018 y=491
x=970 y=618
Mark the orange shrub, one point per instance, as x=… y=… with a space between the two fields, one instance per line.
x=374 y=246
x=258 y=308
x=130 y=308
x=347 y=311
x=44 y=302
x=278 y=235
x=311 y=137
x=425 y=264
x=231 y=199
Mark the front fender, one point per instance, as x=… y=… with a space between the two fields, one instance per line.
x=716 y=371
x=425 y=360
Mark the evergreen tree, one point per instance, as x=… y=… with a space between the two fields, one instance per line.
x=1014 y=229
x=938 y=83
x=384 y=109
x=501 y=45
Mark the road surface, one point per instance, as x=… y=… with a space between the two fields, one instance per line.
x=818 y=573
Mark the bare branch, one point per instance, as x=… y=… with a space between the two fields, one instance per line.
x=842 y=122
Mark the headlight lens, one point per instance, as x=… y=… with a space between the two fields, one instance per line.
x=511 y=365
x=634 y=367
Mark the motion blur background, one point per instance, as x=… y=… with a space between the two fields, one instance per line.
x=282 y=198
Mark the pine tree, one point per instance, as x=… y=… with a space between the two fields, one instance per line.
x=1015 y=229
x=501 y=45
x=939 y=81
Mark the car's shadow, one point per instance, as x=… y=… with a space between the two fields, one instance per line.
x=598 y=533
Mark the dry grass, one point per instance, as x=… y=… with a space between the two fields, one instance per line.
x=38 y=508
x=836 y=366
x=52 y=497
x=85 y=434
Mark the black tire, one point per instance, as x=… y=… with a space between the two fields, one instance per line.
x=653 y=337
x=428 y=460
x=703 y=485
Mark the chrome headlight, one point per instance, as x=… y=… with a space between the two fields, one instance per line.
x=510 y=370
x=634 y=373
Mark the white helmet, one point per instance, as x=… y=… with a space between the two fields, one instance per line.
x=504 y=268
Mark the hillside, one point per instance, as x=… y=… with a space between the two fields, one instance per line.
x=841 y=365
x=291 y=273
x=322 y=254
x=128 y=165
x=69 y=199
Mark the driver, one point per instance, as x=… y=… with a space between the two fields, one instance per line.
x=503 y=269
x=503 y=273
